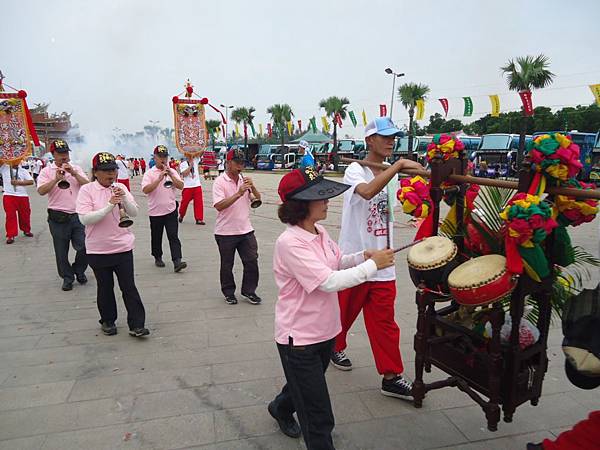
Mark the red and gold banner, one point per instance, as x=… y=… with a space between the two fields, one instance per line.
x=191 y=135
x=16 y=128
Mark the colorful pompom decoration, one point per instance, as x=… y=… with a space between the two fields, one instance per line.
x=574 y=212
x=555 y=155
x=447 y=145
x=414 y=196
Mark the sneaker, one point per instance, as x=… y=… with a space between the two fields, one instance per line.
x=81 y=279
x=139 y=332
x=398 y=387
x=179 y=265
x=28 y=234
x=67 y=285
x=158 y=262
x=200 y=222
x=252 y=298
x=180 y=219
x=108 y=328
x=230 y=300
x=341 y=361
x=10 y=240
x=287 y=425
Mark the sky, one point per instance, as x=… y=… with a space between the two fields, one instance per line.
x=117 y=64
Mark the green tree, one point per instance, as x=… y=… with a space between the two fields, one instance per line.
x=408 y=94
x=245 y=116
x=525 y=74
x=211 y=127
x=281 y=114
x=332 y=106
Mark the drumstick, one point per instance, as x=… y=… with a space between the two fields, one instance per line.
x=404 y=247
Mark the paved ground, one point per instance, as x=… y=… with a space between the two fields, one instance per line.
x=204 y=377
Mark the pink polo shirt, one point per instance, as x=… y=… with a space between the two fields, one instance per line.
x=235 y=219
x=161 y=201
x=302 y=261
x=104 y=237
x=61 y=199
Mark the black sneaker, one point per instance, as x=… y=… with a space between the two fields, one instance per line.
x=532 y=446
x=67 y=285
x=108 y=328
x=287 y=425
x=158 y=262
x=139 y=332
x=398 y=387
x=341 y=361
x=252 y=298
x=230 y=300
x=200 y=222
x=81 y=279
x=179 y=265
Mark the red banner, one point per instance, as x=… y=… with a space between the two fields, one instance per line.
x=444 y=102
x=300 y=125
x=245 y=131
x=338 y=119
x=382 y=110
x=269 y=130
x=527 y=102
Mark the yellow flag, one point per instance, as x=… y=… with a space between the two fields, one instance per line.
x=364 y=116
x=237 y=130
x=260 y=129
x=325 y=124
x=495 y=105
x=420 y=109
x=290 y=126
x=596 y=91
x=218 y=130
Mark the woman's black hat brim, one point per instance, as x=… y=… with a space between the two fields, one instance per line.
x=323 y=189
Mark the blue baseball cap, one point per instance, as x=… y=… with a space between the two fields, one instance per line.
x=383 y=126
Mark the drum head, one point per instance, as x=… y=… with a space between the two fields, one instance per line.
x=477 y=271
x=433 y=252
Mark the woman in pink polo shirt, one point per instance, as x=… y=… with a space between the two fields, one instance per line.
x=309 y=270
x=110 y=247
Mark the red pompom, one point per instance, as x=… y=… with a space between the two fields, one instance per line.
x=204 y=101
x=22 y=94
x=175 y=99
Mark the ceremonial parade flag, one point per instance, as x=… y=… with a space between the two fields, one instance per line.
x=596 y=91
x=260 y=129
x=527 y=102
x=495 y=105
x=337 y=118
x=325 y=124
x=16 y=128
x=290 y=127
x=444 y=102
x=468 y=106
x=382 y=110
x=352 y=118
x=364 y=117
x=299 y=125
x=313 y=124
x=420 y=104
x=269 y=130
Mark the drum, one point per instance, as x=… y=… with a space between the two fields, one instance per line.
x=481 y=280
x=431 y=261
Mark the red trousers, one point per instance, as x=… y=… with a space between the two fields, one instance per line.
x=125 y=181
x=376 y=300
x=584 y=435
x=188 y=195
x=14 y=205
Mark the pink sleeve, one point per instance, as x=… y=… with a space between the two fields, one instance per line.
x=302 y=263
x=44 y=176
x=84 y=204
x=82 y=173
x=147 y=179
x=218 y=192
x=176 y=175
x=128 y=195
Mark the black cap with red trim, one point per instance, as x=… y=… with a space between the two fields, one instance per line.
x=307 y=185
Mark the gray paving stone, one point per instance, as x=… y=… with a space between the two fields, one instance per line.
x=510 y=442
x=242 y=423
x=36 y=395
x=28 y=443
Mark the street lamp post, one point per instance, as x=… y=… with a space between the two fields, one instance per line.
x=394 y=76
x=227 y=108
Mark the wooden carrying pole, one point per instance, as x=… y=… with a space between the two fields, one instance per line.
x=577 y=193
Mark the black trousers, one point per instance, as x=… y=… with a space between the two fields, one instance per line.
x=121 y=264
x=306 y=391
x=63 y=235
x=157 y=225
x=247 y=247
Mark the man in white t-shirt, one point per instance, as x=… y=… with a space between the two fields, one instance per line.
x=366 y=224
x=192 y=189
x=16 y=200
x=36 y=167
x=123 y=172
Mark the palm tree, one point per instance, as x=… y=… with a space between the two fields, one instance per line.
x=333 y=106
x=245 y=116
x=211 y=127
x=281 y=114
x=524 y=74
x=409 y=93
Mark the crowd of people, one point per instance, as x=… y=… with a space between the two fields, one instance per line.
x=323 y=285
